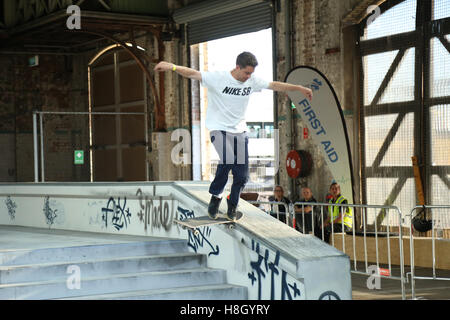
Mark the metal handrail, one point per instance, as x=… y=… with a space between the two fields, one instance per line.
x=277 y=210
x=433 y=246
x=364 y=208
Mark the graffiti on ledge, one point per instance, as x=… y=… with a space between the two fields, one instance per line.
x=156 y=213
x=49 y=213
x=11 y=206
x=262 y=267
x=121 y=214
x=201 y=240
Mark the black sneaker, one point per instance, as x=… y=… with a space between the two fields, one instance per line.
x=213 y=207
x=231 y=212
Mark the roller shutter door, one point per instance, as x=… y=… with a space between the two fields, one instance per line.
x=212 y=20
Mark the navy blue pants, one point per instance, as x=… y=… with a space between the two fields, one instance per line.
x=232 y=149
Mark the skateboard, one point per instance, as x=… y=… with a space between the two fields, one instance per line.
x=194 y=224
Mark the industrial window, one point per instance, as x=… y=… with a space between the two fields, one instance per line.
x=401 y=19
x=405 y=85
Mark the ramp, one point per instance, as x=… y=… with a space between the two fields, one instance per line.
x=270 y=259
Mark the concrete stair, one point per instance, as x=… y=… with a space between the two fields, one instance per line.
x=218 y=292
x=161 y=269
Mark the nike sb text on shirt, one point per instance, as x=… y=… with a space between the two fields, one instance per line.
x=237 y=91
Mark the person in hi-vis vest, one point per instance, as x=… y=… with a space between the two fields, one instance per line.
x=335 y=213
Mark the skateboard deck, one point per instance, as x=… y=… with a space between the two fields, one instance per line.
x=194 y=223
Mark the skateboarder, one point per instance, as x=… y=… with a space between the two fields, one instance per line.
x=228 y=95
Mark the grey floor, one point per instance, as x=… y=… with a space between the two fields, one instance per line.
x=391 y=289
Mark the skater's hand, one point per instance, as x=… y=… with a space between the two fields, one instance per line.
x=164 y=66
x=307 y=92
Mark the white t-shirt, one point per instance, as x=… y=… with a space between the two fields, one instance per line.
x=228 y=100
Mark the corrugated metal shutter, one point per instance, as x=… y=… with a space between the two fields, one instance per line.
x=255 y=17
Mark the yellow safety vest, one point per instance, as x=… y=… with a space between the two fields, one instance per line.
x=334 y=212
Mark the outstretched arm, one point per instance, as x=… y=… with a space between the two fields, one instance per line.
x=284 y=86
x=182 y=71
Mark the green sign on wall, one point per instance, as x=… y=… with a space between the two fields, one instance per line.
x=78 y=157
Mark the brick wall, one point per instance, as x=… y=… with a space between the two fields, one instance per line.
x=58 y=83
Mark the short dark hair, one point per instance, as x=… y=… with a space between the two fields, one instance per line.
x=246 y=59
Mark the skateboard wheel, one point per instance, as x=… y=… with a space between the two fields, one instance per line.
x=196 y=233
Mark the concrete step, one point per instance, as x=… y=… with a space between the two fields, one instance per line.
x=114 y=284
x=100 y=267
x=208 y=292
x=97 y=251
